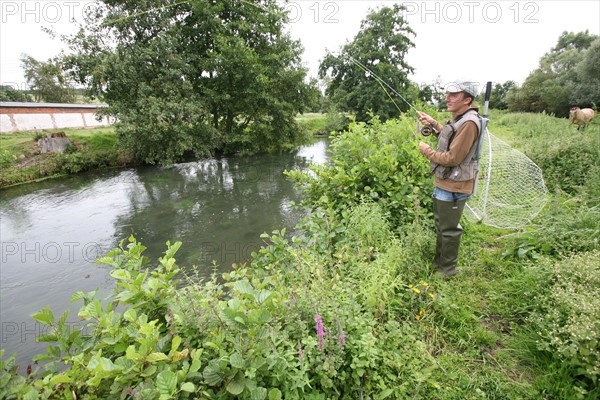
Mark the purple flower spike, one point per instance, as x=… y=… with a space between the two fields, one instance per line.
x=320 y=332
x=342 y=339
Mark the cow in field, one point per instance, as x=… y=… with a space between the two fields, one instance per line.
x=581 y=117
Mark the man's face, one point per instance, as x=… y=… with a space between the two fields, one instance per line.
x=457 y=102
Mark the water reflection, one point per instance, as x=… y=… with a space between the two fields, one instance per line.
x=51 y=232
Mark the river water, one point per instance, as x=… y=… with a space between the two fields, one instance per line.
x=52 y=231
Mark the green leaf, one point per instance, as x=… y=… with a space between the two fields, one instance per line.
x=106 y=261
x=262 y=296
x=154 y=357
x=259 y=393
x=77 y=296
x=175 y=343
x=166 y=383
x=237 y=384
x=93 y=310
x=151 y=370
x=107 y=364
x=236 y=360
x=244 y=287
x=44 y=316
x=188 y=387
x=121 y=274
x=56 y=379
x=213 y=374
x=384 y=394
x=274 y=394
x=130 y=315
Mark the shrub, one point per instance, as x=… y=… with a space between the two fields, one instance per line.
x=569 y=315
x=379 y=161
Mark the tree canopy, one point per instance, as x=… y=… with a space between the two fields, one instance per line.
x=194 y=76
x=47 y=80
x=568 y=75
x=380 y=45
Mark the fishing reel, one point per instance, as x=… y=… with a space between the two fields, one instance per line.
x=426 y=130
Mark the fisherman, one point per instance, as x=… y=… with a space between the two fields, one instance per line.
x=455 y=169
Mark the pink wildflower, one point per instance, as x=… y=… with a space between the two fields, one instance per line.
x=320 y=332
x=342 y=339
x=300 y=353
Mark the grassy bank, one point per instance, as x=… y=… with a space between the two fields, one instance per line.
x=350 y=306
x=21 y=160
x=96 y=148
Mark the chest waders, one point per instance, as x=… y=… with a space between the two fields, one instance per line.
x=447 y=214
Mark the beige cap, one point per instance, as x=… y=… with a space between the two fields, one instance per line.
x=463 y=85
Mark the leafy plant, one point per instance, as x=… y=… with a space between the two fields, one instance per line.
x=569 y=315
x=379 y=161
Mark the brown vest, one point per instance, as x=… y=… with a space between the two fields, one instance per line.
x=467 y=169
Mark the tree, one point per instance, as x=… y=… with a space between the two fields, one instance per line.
x=380 y=45
x=586 y=90
x=195 y=76
x=47 y=80
x=567 y=76
x=8 y=93
x=499 y=93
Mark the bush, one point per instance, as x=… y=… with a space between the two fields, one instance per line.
x=569 y=315
x=379 y=161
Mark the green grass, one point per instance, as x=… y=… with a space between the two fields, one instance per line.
x=21 y=161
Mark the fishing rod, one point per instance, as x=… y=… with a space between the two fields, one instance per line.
x=427 y=129
x=379 y=79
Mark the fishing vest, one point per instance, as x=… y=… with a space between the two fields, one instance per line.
x=467 y=169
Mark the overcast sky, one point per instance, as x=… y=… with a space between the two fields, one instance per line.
x=480 y=40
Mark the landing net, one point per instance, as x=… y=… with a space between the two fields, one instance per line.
x=510 y=188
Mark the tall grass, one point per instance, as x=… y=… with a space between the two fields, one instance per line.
x=568 y=157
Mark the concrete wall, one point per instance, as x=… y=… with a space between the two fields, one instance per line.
x=18 y=117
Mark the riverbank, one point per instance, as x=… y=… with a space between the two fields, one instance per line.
x=95 y=148
x=22 y=162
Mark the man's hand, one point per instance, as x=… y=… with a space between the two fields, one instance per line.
x=425 y=118
x=423 y=147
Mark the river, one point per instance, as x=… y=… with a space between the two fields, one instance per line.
x=52 y=231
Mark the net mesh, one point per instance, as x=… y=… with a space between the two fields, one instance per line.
x=510 y=187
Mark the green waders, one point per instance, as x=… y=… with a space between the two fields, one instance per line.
x=447 y=225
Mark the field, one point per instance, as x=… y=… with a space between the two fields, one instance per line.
x=351 y=308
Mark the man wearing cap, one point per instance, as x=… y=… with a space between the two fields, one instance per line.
x=454 y=168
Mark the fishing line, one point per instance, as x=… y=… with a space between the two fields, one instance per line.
x=426 y=130
x=378 y=79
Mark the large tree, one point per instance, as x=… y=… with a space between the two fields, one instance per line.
x=193 y=76
x=380 y=45
x=47 y=81
x=567 y=76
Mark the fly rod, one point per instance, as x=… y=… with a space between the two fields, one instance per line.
x=427 y=129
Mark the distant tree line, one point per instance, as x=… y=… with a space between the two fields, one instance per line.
x=568 y=75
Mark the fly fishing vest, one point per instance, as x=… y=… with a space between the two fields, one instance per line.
x=467 y=169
